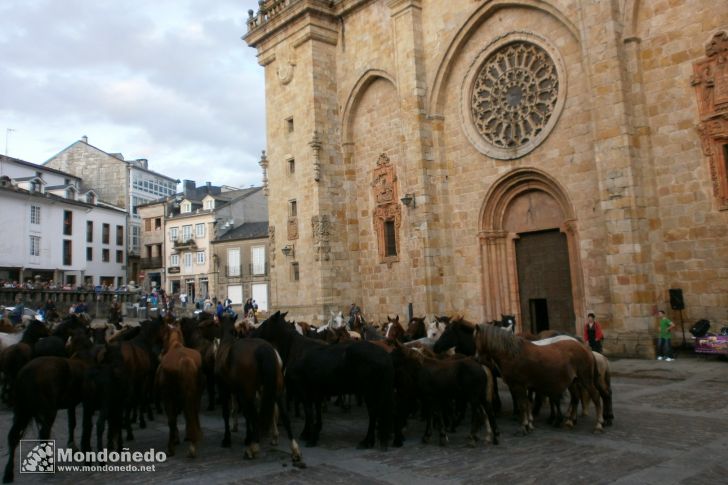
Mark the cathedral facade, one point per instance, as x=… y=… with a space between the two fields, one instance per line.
x=541 y=158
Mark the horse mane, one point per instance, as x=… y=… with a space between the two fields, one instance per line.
x=459 y=320
x=495 y=340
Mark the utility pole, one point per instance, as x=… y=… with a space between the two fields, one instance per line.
x=7 y=136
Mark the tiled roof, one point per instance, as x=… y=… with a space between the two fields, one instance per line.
x=248 y=230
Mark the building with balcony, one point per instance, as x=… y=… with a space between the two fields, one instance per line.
x=178 y=233
x=57 y=229
x=124 y=183
x=240 y=258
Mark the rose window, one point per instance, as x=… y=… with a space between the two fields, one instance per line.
x=514 y=95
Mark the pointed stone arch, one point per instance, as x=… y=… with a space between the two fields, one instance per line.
x=501 y=222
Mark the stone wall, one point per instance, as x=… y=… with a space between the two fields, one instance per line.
x=623 y=158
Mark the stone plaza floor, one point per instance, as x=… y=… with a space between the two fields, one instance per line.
x=671 y=427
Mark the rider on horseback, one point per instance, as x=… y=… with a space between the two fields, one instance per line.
x=354 y=315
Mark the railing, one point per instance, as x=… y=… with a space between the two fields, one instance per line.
x=98 y=303
x=150 y=263
x=185 y=243
x=267 y=11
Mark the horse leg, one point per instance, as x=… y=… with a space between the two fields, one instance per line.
x=225 y=401
x=72 y=428
x=574 y=392
x=440 y=421
x=87 y=427
x=368 y=441
x=274 y=427
x=521 y=400
x=252 y=438
x=235 y=406
x=296 y=456
x=605 y=391
x=20 y=422
x=193 y=431
x=596 y=399
x=427 y=413
x=209 y=374
x=131 y=408
x=171 y=409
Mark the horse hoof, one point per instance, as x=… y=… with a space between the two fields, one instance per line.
x=364 y=445
x=598 y=430
x=299 y=463
x=192 y=452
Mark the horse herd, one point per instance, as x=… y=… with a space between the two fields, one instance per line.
x=434 y=369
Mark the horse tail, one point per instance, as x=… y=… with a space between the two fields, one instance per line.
x=268 y=371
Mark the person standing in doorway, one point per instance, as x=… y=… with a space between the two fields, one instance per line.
x=664 y=343
x=593 y=333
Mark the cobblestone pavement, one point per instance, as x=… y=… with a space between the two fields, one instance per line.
x=671 y=426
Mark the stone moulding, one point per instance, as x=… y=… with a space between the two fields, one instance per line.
x=387 y=207
x=710 y=79
x=509 y=104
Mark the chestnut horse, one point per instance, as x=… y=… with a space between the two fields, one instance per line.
x=179 y=380
x=548 y=369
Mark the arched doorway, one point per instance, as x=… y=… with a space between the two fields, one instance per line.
x=530 y=262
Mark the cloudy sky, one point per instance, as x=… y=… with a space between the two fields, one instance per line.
x=166 y=80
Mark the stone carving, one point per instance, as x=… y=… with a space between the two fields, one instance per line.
x=264 y=165
x=514 y=94
x=321 y=229
x=315 y=145
x=387 y=207
x=272 y=245
x=710 y=79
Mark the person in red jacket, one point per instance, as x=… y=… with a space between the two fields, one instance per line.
x=593 y=333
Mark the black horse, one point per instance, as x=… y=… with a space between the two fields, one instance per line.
x=315 y=371
x=14 y=357
x=436 y=383
x=55 y=344
x=61 y=381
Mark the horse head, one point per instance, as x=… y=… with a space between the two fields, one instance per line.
x=435 y=329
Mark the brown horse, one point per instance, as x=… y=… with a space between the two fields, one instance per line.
x=549 y=369
x=416 y=328
x=244 y=368
x=394 y=329
x=179 y=380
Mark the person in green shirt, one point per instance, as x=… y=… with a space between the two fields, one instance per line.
x=664 y=343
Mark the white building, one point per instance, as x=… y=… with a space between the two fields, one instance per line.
x=58 y=230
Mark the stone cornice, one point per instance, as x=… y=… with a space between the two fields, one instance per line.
x=320 y=13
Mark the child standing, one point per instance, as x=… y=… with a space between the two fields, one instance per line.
x=664 y=343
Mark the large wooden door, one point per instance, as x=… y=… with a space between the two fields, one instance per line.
x=544 y=281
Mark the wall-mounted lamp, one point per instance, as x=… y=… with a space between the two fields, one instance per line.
x=409 y=200
x=287 y=250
